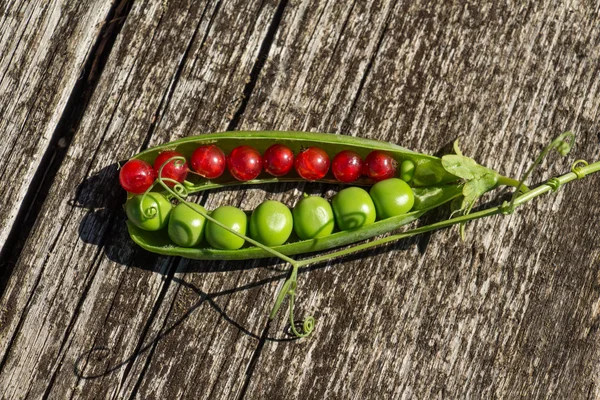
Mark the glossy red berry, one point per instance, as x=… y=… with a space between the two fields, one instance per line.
x=347 y=166
x=136 y=176
x=244 y=163
x=209 y=161
x=175 y=169
x=380 y=166
x=312 y=163
x=278 y=160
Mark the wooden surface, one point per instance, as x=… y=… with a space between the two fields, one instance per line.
x=43 y=47
x=511 y=312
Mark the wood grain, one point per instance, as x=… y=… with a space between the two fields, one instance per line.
x=511 y=312
x=43 y=48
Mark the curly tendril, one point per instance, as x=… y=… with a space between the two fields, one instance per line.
x=178 y=187
x=578 y=170
x=554 y=184
x=308 y=325
x=181 y=190
x=289 y=289
x=151 y=211
x=562 y=144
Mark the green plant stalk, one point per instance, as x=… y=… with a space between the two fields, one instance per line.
x=560 y=145
x=503 y=209
x=505 y=180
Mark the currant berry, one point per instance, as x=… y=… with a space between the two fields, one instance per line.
x=209 y=161
x=278 y=160
x=379 y=166
x=347 y=166
x=244 y=163
x=136 y=176
x=312 y=163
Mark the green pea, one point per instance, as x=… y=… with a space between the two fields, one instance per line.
x=353 y=208
x=271 y=223
x=186 y=226
x=152 y=201
x=392 y=197
x=313 y=218
x=407 y=170
x=220 y=238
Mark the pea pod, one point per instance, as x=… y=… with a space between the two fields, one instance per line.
x=434 y=182
x=432 y=185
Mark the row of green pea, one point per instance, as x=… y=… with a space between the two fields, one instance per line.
x=272 y=222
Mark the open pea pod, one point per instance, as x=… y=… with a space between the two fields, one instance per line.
x=430 y=182
x=434 y=182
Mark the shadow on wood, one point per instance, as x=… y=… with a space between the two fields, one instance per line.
x=101 y=354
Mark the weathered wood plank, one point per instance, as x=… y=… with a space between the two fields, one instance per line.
x=43 y=47
x=352 y=374
x=72 y=304
x=511 y=312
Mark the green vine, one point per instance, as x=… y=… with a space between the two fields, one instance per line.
x=562 y=146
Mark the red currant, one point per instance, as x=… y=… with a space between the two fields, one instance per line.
x=244 y=163
x=176 y=169
x=312 y=163
x=347 y=166
x=278 y=160
x=136 y=176
x=209 y=161
x=380 y=166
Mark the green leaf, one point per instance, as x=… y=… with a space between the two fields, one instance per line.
x=465 y=167
x=461 y=166
x=479 y=181
x=475 y=188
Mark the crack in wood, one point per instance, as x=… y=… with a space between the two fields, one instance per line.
x=165 y=101
x=146 y=329
x=259 y=64
x=54 y=155
x=254 y=360
x=344 y=126
x=90 y=279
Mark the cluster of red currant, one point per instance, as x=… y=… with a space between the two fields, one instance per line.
x=245 y=163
